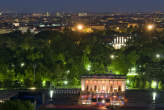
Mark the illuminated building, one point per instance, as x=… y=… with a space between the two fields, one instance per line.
x=98 y=27
x=82 y=14
x=133 y=25
x=4 y=31
x=58 y=14
x=103 y=83
x=16 y=24
x=103 y=89
x=120 y=41
x=47 y=14
x=82 y=28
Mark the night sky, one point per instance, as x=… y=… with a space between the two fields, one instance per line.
x=82 y=5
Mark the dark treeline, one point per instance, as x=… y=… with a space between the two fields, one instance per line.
x=60 y=58
x=16 y=105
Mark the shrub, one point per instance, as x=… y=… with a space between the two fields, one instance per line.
x=16 y=105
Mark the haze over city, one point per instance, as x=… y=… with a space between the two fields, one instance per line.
x=82 y=5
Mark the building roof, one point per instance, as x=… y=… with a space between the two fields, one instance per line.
x=104 y=76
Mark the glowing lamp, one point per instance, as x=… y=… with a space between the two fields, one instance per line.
x=112 y=56
x=157 y=55
x=65 y=82
x=80 y=27
x=118 y=28
x=150 y=27
x=154 y=96
x=32 y=88
x=51 y=93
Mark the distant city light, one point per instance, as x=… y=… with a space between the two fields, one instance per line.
x=150 y=27
x=80 y=27
x=32 y=88
x=1 y=101
x=118 y=28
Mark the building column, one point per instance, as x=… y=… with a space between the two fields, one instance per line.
x=95 y=85
x=89 y=85
x=83 y=84
x=123 y=85
x=111 y=85
x=115 y=85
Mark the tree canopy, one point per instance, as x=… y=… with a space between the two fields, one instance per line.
x=28 y=59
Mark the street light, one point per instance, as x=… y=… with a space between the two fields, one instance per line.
x=32 y=88
x=68 y=71
x=154 y=96
x=66 y=82
x=80 y=27
x=118 y=28
x=88 y=66
x=22 y=64
x=112 y=56
x=158 y=56
x=51 y=93
x=150 y=27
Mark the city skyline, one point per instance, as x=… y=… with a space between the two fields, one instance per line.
x=85 y=5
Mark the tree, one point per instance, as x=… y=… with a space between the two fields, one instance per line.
x=16 y=105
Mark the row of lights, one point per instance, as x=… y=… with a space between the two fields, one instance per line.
x=150 y=27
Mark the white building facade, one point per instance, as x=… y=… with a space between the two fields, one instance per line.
x=103 y=83
x=120 y=41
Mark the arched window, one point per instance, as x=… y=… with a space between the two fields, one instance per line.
x=87 y=88
x=95 y=88
x=119 y=88
x=111 y=89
